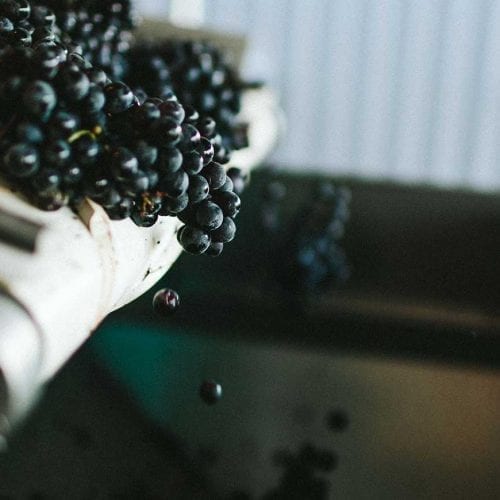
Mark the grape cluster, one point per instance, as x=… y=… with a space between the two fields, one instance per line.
x=55 y=109
x=319 y=257
x=24 y=25
x=314 y=258
x=67 y=131
x=102 y=28
x=199 y=76
x=171 y=167
x=209 y=214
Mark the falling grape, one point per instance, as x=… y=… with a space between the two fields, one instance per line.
x=210 y=392
x=166 y=301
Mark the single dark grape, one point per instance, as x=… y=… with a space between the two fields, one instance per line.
x=73 y=83
x=166 y=301
x=39 y=99
x=207 y=126
x=173 y=109
x=227 y=186
x=119 y=97
x=206 y=150
x=225 y=233
x=215 y=249
x=153 y=178
x=168 y=131
x=146 y=115
x=56 y=153
x=146 y=153
x=194 y=240
x=97 y=186
x=172 y=206
x=43 y=16
x=72 y=175
x=215 y=174
x=170 y=160
x=123 y=163
x=209 y=215
x=85 y=149
x=190 y=138
x=198 y=188
x=94 y=100
x=48 y=60
x=192 y=162
x=191 y=115
x=51 y=202
x=46 y=181
x=21 y=160
x=29 y=132
x=210 y=392
x=19 y=37
x=174 y=184
x=142 y=219
x=229 y=202
x=110 y=198
x=136 y=184
x=62 y=124
x=97 y=76
x=122 y=210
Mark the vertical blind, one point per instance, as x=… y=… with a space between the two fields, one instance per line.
x=406 y=90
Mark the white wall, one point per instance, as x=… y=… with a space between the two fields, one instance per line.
x=399 y=89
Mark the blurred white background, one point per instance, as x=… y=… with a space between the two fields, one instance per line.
x=407 y=90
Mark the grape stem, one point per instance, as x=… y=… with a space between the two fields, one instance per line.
x=81 y=133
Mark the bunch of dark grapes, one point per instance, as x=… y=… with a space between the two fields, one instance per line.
x=55 y=111
x=200 y=77
x=174 y=165
x=101 y=28
x=315 y=259
x=170 y=163
x=68 y=132
x=24 y=25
